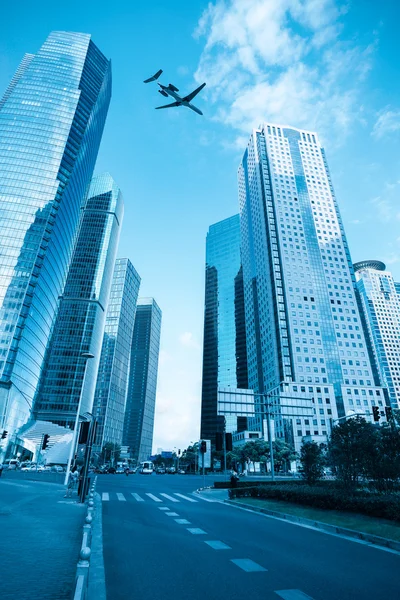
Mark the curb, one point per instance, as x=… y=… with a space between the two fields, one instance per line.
x=97 y=580
x=379 y=542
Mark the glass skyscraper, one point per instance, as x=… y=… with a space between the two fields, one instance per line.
x=51 y=121
x=224 y=345
x=380 y=306
x=142 y=387
x=80 y=322
x=305 y=341
x=112 y=378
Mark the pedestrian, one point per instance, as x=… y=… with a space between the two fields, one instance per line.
x=127 y=471
x=1 y=469
x=72 y=479
x=234 y=479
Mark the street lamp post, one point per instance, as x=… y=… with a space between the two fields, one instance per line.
x=86 y=356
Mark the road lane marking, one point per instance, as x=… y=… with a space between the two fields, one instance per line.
x=137 y=497
x=293 y=595
x=182 y=521
x=201 y=498
x=105 y=496
x=196 y=531
x=162 y=507
x=169 y=497
x=153 y=497
x=185 y=497
x=171 y=514
x=121 y=497
x=217 y=545
x=247 y=565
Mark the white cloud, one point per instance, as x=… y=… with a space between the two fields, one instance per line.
x=388 y=122
x=283 y=61
x=188 y=340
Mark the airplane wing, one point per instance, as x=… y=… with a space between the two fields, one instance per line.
x=190 y=97
x=155 y=76
x=168 y=105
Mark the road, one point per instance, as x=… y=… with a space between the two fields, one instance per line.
x=163 y=542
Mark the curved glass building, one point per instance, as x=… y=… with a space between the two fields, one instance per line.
x=51 y=122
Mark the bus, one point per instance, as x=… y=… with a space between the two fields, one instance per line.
x=146 y=468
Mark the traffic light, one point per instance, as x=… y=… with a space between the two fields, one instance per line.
x=4 y=435
x=84 y=432
x=179 y=452
x=203 y=446
x=45 y=442
x=389 y=412
x=375 y=412
x=228 y=442
x=218 y=441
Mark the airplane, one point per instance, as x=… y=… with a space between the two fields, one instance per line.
x=171 y=90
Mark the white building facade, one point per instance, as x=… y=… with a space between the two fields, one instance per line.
x=380 y=304
x=305 y=340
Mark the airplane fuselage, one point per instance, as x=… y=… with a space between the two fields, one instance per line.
x=178 y=98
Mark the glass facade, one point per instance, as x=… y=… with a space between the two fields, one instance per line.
x=142 y=387
x=112 y=378
x=80 y=322
x=305 y=340
x=51 y=121
x=380 y=305
x=224 y=346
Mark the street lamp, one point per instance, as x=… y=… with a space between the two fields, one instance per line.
x=86 y=356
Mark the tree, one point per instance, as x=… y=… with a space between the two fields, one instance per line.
x=348 y=447
x=110 y=452
x=383 y=458
x=312 y=462
x=283 y=453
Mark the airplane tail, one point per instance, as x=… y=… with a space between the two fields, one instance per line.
x=154 y=78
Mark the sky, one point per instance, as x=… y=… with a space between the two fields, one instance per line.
x=324 y=65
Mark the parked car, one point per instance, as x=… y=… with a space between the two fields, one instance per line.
x=111 y=470
x=181 y=472
x=11 y=465
x=161 y=471
x=57 y=469
x=120 y=471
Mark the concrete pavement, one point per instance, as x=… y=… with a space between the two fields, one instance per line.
x=40 y=537
x=163 y=541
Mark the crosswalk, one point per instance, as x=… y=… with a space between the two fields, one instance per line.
x=159 y=497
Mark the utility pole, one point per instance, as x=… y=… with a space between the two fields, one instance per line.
x=271 y=447
x=224 y=440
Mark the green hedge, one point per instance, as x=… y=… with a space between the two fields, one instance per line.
x=374 y=505
x=222 y=485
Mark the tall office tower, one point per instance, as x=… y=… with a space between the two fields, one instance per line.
x=380 y=306
x=305 y=341
x=224 y=345
x=51 y=121
x=142 y=387
x=112 y=378
x=79 y=327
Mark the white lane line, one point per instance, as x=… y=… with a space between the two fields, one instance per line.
x=153 y=497
x=105 y=496
x=121 y=497
x=185 y=497
x=137 y=497
x=293 y=595
x=247 y=565
x=169 y=497
x=162 y=507
x=217 y=545
x=196 y=531
x=204 y=499
x=171 y=514
x=182 y=521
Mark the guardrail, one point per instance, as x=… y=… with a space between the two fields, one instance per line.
x=82 y=568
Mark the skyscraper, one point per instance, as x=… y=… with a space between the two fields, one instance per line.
x=380 y=306
x=51 y=121
x=224 y=345
x=112 y=378
x=142 y=387
x=305 y=341
x=79 y=326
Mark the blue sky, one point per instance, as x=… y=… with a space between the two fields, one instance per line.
x=325 y=65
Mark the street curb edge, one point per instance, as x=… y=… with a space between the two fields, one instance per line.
x=97 y=579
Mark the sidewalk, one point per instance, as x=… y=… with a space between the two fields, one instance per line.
x=40 y=537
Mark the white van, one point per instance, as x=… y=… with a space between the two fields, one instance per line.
x=12 y=464
x=146 y=468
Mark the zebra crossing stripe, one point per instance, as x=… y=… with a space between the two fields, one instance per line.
x=185 y=497
x=137 y=497
x=105 y=496
x=153 y=497
x=293 y=595
x=121 y=497
x=169 y=497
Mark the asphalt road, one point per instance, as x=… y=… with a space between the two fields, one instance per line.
x=160 y=545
